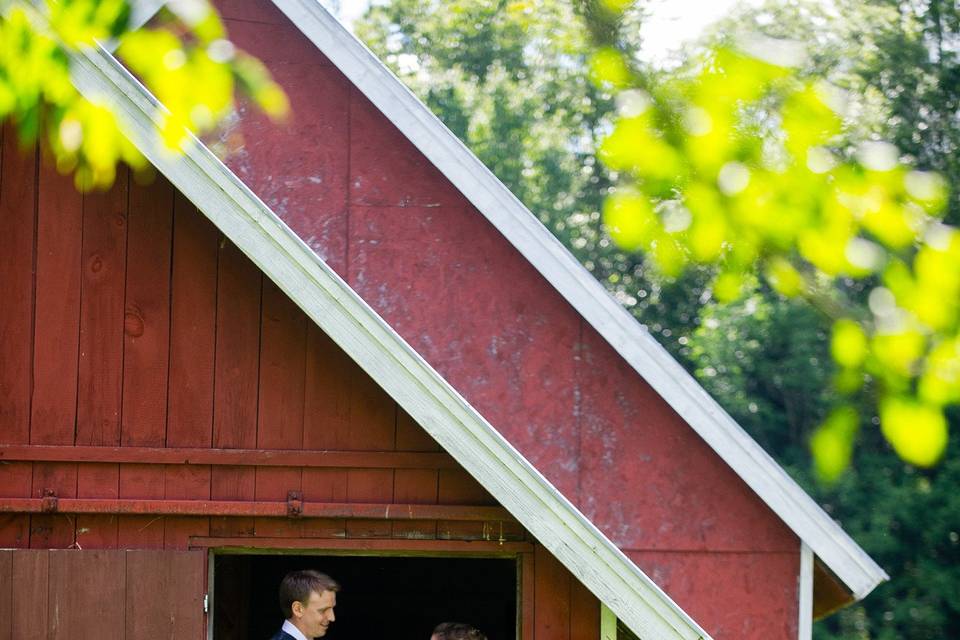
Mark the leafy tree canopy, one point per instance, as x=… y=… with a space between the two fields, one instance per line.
x=739 y=161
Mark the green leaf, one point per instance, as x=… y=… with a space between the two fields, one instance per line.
x=917 y=431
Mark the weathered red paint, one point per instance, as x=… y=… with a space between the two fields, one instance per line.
x=220 y=399
x=413 y=460
x=452 y=286
x=246 y=370
x=17 y=202
x=262 y=508
x=712 y=588
x=137 y=595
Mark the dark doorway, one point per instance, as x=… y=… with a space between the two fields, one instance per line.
x=400 y=598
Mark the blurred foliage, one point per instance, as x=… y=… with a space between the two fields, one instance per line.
x=763 y=359
x=738 y=161
x=183 y=57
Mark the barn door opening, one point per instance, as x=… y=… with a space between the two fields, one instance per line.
x=401 y=598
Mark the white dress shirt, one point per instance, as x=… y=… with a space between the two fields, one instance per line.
x=292 y=630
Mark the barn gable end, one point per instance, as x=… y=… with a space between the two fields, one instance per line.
x=511 y=336
x=337 y=310
x=179 y=398
x=498 y=321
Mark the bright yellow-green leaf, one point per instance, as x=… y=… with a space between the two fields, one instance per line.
x=607 y=67
x=899 y=351
x=668 y=255
x=940 y=383
x=630 y=219
x=832 y=443
x=617 y=6
x=783 y=277
x=728 y=286
x=848 y=381
x=917 y=432
x=848 y=344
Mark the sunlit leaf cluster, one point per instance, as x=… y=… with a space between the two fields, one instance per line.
x=738 y=165
x=183 y=56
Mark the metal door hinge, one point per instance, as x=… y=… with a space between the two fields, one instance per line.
x=294 y=504
x=206 y=603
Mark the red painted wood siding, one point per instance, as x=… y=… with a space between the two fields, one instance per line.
x=129 y=595
x=367 y=201
x=142 y=329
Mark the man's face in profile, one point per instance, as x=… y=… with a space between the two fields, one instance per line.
x=315 y=615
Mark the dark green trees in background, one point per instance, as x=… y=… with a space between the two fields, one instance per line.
x=512 y=80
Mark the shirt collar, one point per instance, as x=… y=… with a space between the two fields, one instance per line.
x=290 y=629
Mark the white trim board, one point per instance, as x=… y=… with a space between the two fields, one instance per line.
x=521 y=228
x=805 y=594
x=390 y=361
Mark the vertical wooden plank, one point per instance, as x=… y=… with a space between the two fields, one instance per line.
x=192 y=342
x=53 y=531
x=56 y=343
x=6 y=595
x=456 y=486
x=146 y=329
x=192 y=327
x=100 y=372
x=527 y=597
x=185 y=482
x=146 y=335
x=552 y=597
x=17 y=216
x=101 y=315
x=280 y=415
x=146 y=482
x=326 y=423
x=414 y=486
x=15 y=482
x=373 y=427
x=30 y=575
x=164 y=595
x=411 y=436
x=57 y=312
x=85 y=594
x=235 y=380
x=584 y=612
x=326 y=419
x=97 y=481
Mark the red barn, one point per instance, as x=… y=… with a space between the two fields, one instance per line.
x=355 y=350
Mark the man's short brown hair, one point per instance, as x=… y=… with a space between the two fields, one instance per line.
x=457 y=631
x=298 y=585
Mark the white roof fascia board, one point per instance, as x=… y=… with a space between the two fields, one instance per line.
x=621 y=330
x=389 y=360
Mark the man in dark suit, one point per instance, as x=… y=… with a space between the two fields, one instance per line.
x=307 y=599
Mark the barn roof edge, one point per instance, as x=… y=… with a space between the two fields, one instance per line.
x=835 y=548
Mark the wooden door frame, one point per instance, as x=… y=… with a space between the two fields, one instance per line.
x=521 y=552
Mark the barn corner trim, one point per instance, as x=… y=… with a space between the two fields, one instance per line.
x=837 y=550
x=388 y=359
